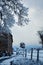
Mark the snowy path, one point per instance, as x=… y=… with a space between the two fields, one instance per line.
x=7 y=61
x=18 y=60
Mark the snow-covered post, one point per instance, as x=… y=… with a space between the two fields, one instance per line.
x=17 y=51
x=11 y=63
x=0 y=21
x=25 y=53
x=0 y=15
x=31 y=53
x=37 y=55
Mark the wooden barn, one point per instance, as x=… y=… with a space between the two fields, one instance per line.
x=6 y=43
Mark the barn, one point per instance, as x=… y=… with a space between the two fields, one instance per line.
x=6 y=40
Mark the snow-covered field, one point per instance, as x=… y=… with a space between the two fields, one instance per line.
x=20 y=60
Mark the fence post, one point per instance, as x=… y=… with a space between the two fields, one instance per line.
x=25 y=53
x=11 y=63
x=31 y=53
x=37 y=54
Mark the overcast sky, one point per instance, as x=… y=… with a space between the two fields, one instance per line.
x=28 y=33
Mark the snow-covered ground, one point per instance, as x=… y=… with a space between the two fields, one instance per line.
x=20 y=60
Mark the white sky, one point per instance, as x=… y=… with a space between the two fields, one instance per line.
x=28 y=33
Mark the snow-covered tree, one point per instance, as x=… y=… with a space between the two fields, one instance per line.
x=9 y=9
x=22 y=45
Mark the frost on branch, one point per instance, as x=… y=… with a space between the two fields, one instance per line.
x=8 y=10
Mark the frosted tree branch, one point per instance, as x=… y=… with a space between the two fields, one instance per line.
x=8 y=10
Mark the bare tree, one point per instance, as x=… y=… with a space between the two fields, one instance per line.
x=8 y=10
x=41 y=37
